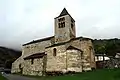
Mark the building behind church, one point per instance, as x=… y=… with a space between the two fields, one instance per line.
x=62 y=52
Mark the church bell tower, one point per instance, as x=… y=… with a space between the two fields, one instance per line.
x=64 y=27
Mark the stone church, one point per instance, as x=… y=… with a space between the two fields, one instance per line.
x=62 y=52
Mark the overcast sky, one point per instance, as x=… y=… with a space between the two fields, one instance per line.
x=22 y=21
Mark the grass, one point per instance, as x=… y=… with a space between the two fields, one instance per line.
x=103 y=74
x=2 y=78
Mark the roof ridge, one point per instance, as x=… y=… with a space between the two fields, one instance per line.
x=39 y=40
x=64 y=12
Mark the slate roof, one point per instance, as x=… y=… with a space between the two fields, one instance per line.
x=36 y=55
x=65 y=12
x=71 y=47
x=39 y=40
x=80 y=38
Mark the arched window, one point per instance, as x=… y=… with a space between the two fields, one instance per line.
x=54 y=52
x=19 y=65
x=72 y=26
x=32 y=61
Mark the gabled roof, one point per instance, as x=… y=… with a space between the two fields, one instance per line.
x=36 y=55
x=39 y=40
x=58 y=44
x=71 y=47
x=62 y=43
x=82 y=38
x=65 y=12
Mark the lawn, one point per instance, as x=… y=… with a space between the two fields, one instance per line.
x=2 y=78
x=105 y=74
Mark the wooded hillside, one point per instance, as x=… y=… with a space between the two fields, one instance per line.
x=7 y=56
x=107 y=46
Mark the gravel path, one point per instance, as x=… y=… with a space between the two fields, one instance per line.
x=17 y=77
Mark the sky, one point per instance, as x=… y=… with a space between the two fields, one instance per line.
x=22 y=21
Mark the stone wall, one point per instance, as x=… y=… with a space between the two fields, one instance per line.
x=65 y=60
x=74 y=61
x=66 y=33
x=35 y=48
x=33 y=69
x=58 y=62
x=88 y=58
x=28 y=50
x=88 y=55
x=16 y=65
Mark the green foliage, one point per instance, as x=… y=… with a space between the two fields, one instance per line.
x=2 y=78
x=103 y=74
x=107 y=46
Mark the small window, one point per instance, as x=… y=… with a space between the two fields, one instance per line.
x=90 y=47
x=61 y=25
x=61 y=19
x=27 y=47
x=19 y=65
x=32 y=61
x=54 y=52
x=72 y=21
x=72 y=26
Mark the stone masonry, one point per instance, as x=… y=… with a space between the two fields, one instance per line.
x=62 y=52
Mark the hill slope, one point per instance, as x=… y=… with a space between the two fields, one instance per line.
x=7 y=56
